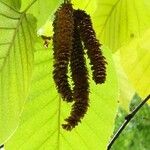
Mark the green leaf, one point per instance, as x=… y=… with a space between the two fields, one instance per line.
x=88 y=5
x=118 y=21
x=16 y=62
x=16 y=4
x=40 y=9
x=135 y=59
x=44 y=112
x=126 y=91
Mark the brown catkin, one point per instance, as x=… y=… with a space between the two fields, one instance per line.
x=63 y=27
x=88 y=35
x=80 y=79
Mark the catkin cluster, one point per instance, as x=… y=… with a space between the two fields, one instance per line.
x=73 y=30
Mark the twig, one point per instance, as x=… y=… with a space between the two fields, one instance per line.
x=67 y=1
x=127 y=120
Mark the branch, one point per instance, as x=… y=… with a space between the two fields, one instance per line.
x=127 y=120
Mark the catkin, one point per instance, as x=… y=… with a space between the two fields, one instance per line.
x=80 y=79
x=63 y=27
x=97 y=60
x=71 y=27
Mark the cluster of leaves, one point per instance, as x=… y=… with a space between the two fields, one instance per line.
x=137 y=134
x=31 y=111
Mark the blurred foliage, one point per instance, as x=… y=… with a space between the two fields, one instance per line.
x=135 y=60
x=126 y=91
x=136 y=136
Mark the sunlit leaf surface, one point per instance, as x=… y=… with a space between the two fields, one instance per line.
x=126 y=91
x=16 y=62
x=118 y=21
x=15 y=4
x=41 y=9
x=135 y=59
x=40 y=127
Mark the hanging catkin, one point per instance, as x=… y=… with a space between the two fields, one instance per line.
x=63 y=27
x=80 y=79
x=71 y=28
x=97 y=60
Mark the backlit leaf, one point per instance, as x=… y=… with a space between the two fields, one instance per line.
x=40 y=9
x=16 y=62
x=135 y=59
x=40 y=127
x=126 y=91
x=118 y=21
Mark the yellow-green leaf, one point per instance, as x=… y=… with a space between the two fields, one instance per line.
x=40 y=127
x=41 y=9
x=126 y=91
x=135 y=59
x=118 y=21
x=16 y=62
x=16 y=4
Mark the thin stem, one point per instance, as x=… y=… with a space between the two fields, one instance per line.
x=127 y=120
x=67 y=1
x=1 y=146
